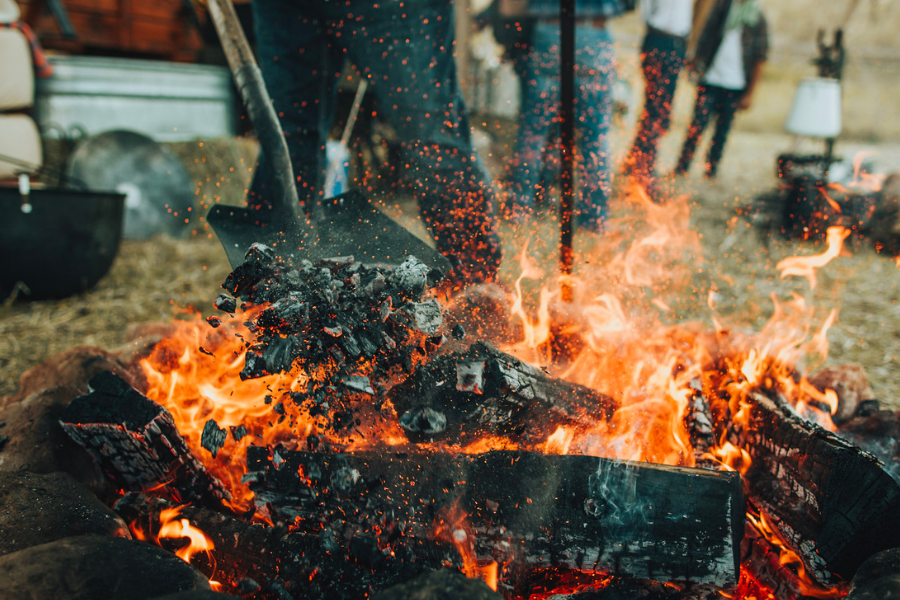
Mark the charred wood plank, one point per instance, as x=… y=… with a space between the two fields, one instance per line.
x=464 y=396
x=834 y=503
x=319 y=566
x=578 y=512
x=781 y=575
x=137 y=444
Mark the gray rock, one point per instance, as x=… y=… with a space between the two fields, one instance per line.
x=36 y=509
x=96 y=567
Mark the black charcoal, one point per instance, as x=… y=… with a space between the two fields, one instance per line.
x=238 y=432
x=225 y=303
x=213 y=437
x=335 y=319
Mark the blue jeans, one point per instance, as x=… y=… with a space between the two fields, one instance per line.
x=538 y=124
x=405 y=49
x=661 y=60
x=711 y=100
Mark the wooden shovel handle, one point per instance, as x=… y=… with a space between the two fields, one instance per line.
x=249 y=81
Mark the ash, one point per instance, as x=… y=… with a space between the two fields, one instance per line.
x=343 y=328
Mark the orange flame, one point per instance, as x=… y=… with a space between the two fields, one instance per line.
x=805 y=266
x=172 y=528
x=195 y=374
x=731 y=457
x=452 y=526
x=788 y=557
x=559 y=441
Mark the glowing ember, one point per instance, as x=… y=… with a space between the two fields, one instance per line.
x=172 y=528
x=451 y=526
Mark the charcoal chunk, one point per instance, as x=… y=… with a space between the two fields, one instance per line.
x=225 y=303
x=424 y=420
x=213 y=437
x=238 y=432
x=334 y=320
x=411 y=279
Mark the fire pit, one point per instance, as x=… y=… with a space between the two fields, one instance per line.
x=338 y=431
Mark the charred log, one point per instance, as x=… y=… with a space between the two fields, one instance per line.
x=578 y=512
x=832 y=502
x=781 y=575
x=466 y=395
x=322 y=565
x=137 y=444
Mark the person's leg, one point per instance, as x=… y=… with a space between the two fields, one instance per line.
x=593 y=111
x=726 y=106
x=405 y=48
x=702 y=110
x=298 y=65
x=540 y=107
x=661 y=61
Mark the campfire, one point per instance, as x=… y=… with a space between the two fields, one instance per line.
x=342 y=428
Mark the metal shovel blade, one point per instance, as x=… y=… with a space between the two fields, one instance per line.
x=351 y=226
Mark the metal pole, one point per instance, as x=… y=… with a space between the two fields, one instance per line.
x=567 y=141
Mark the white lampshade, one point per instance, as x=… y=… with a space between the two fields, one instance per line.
x=816 y=111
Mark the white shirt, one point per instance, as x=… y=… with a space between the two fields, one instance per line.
x=671 y=16
x=727 y=67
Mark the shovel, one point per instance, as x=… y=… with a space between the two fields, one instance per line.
x=345 y=225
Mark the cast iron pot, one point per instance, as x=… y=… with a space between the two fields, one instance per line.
x=63 y=246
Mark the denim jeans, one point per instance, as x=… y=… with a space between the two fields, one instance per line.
x=661 y=60
x=405 y=49
x=538 y=124
x=711 y=100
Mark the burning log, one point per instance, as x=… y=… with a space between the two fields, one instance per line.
x=831 y=501
x=579 y=512
x=326 y=566
x=137 y=444
x=779 y=568
x=483 y=391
